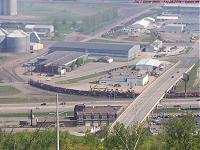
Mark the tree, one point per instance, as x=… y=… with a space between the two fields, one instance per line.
x=179 y=133
x=79 y=62
x=122 y=138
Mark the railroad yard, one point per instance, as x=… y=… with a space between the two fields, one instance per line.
x=114 y=64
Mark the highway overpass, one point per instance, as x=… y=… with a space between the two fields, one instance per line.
x=141 y=107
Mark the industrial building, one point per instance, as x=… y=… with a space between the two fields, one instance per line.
x=143 y=23
x=152 y=47
x=41 y=30
x=17 y=41
x=35 y=42
x=8 y=7
x=175 y=28
x=148 y=64
x=125 y=80
x=118 y=51
x=182 y=8
x=164 y=18
x=95 y=115
x=56 y=62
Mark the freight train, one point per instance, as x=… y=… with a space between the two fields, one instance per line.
x=114 y=94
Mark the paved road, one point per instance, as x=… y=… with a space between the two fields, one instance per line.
x=140 y=108
x=36 y=107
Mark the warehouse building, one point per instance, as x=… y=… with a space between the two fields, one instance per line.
x=193 y=28
x=41 y=30
x=182 y=8
x=175 y=28
x=148 y=64
x=56 y=62
x=164 y=18
x=96 y=116
x=8 y=7
x=125 y=80
x=118 y=51
x=141 y=24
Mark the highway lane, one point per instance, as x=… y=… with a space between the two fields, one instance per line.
x=140 y=108
x=69 y=106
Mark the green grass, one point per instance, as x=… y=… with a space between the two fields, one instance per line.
x=76 y=80
x=58 y=13
x=8 y=90
x=192 y=78
x=188 y=49
x=37 y=114
x=3 y=58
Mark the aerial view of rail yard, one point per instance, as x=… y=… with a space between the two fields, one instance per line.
x=99 y=75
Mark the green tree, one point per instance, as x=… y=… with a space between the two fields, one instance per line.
x=79 y=61
x=122 y=138
x=180 y=133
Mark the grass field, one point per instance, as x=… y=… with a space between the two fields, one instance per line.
x=76 y=80
x=8 y=90
x=66 y=17
x=193 y=84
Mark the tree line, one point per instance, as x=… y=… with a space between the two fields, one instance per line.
x=178 y=134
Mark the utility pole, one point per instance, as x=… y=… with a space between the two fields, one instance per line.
x=57 y=124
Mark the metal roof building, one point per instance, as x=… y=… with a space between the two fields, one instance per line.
x=182 y=8
x=42 y=30
x=52 y=62
x=118 y=51
x=141 y=24
x=148 y=64
x=174 y=27
x=167 y=18
x=34 y=38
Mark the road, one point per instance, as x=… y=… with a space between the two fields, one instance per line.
x=141 y=107
x=51 y=107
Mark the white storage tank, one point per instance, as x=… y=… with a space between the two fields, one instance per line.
x=18 y=42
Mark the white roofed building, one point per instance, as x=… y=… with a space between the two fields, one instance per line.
x=167 y=17
x=41 y=30
x=152 y=20
x=141 y=24
x=148 y=64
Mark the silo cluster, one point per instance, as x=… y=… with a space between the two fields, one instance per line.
x=8 y=7
x=16 y=41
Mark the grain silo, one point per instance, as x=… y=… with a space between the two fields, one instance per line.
x=3 y=34
x=18 y=42
x=8 y=7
